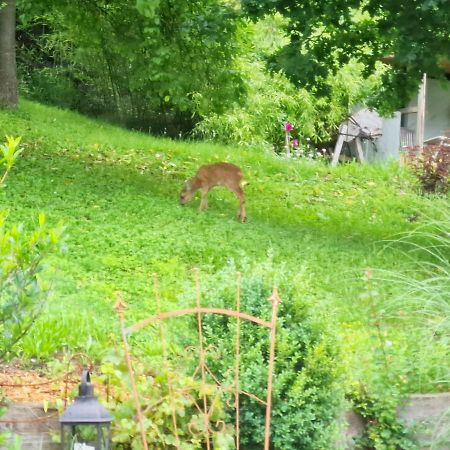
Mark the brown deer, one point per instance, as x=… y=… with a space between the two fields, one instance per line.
x=218 y=174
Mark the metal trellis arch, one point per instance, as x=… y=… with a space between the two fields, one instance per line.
x=202 y=368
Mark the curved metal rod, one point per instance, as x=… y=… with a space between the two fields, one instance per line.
x=198 y=310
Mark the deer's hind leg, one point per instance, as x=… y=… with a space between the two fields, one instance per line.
x=242 y=215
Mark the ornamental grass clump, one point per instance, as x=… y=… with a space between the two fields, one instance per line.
x=420 y=301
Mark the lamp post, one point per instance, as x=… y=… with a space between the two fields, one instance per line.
x=85 y=424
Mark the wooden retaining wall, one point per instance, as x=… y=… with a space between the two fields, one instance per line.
x=32 y=424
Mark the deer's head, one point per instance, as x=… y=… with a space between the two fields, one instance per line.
x=187 y=192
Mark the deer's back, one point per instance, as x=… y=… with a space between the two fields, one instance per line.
x=219 y=174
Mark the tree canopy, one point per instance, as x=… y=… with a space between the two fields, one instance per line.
x=324 y=35
x=165 y=65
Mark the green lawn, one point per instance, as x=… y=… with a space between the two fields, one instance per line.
x=117 y=193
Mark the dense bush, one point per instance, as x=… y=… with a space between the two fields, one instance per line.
x=272 y=100
x=306 y=395
x=163 y=67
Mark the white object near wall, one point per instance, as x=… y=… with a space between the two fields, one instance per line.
x=364 y=124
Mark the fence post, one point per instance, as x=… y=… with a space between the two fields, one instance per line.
x=275 y=300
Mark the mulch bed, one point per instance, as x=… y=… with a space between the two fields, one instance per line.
x=32 y=385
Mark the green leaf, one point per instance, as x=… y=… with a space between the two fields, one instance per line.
x=41 y=219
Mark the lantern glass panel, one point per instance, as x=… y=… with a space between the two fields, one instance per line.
x=85 y=437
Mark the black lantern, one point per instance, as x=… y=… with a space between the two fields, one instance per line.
x=86 y=424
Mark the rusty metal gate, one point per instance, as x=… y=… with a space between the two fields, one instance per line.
x=202 y=368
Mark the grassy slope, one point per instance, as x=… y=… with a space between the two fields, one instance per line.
x=117 y=192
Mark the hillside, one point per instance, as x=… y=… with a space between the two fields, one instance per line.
x=117 y=193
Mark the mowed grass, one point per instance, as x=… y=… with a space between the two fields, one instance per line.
x=117 y=193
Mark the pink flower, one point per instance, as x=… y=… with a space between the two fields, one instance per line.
x=288 y=127
x=295 y=142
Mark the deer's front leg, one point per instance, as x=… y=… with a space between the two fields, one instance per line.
x=204 y=201
x=242 y=214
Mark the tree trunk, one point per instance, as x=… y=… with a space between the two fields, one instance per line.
x=8 y=70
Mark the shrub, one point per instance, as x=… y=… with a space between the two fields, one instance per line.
x=307 y=398
x=431 y=166
x=306 y=395
x=271 y=101
x=22 y=293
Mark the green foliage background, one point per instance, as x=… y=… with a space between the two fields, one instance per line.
x=185 y=68
x=202 y=68
x=132 y=62
x=272 y=99
x=117 y=193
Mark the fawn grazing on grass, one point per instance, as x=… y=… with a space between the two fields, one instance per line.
x=210 y=175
